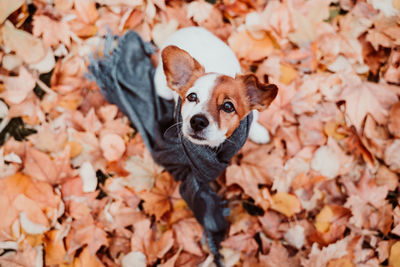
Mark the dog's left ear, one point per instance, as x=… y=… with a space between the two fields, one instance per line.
x=260 y=95
x=180 y=68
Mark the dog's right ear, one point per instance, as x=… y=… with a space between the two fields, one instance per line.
x=181 y=69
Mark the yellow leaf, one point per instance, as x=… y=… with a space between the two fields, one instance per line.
x=34 y=240
x=54 y=248
x=286 y=204
x=342 y=262
x=24 y=44
x=76 y=149
x=330 y=129
x=288 y=73
x=323 y=219
x=394 y=258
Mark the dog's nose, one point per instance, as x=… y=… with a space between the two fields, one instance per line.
x=198 y=122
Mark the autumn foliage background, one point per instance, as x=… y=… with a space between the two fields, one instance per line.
x=78 y=187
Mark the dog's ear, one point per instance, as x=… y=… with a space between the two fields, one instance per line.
x=260 y=95
x=181 y=70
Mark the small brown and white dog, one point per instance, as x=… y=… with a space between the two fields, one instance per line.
x=205 y=73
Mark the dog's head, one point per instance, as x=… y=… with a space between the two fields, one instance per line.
x=212 y=104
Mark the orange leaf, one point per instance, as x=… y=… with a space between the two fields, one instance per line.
x=248 y=47
x=54 y=248
x=394 y=258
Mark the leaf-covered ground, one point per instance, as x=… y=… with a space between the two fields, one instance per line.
x=78 y=187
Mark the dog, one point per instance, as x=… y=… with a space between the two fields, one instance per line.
x=204 y=72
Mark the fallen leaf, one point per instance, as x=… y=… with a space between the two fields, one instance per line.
x=188 y=234
x=243 y=242
x=392 y=157
x=54 y=248
x=394 y=257
x=248 y=47
x=53 y=32
x=199 y=10
x=157 y=200
x=295 y=236
x=364 y=98
x=342 y=262
x=8 y=7
x=113 y=146
x=86 y=10
x=88 y=176
x=394 y=120
x=134 y=258
x=87 y=259
x=326 y=162
x=286 y=204
x=17 y=88
x=24 y=44
x=40 y=166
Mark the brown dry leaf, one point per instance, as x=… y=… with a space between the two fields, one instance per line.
x=199 y=10
x=342 y=262
x=243 y=242
x=286 y=204
x=40 y=166
x=86 y=10
x=54 y=248
x=392 y=74
x=87 y=259
x=8 y=7
x=392 y=156
x=277 y=256
x=86 y=233
x=24 y=44
x=394 y=120
x=394 y=257
x=157 y=201
x=364 y=98
x=113 y=146
x=144 y=240
x=53 y=32
x=247 y=47
x=17 y=88
x=188 y=233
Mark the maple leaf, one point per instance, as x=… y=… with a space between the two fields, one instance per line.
x=188 y=233
x=144 y=240
x=243 y=242
x=364 y=98
x=157 y=201
x=52 y=31
x=40 y=166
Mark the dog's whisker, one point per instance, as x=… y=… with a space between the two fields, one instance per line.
x=170 y=127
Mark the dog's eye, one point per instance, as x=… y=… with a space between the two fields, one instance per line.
x=192 y=97
x=228 y=107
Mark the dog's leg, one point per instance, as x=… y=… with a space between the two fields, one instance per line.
x=258 y=134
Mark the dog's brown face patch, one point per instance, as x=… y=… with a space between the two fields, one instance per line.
x=228 y=91
x=244 y=93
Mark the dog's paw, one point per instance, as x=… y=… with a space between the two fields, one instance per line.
x=258 y=134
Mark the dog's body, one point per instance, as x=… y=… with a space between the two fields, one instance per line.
x=206 y=74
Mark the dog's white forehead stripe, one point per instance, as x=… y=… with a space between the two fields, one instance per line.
x=203 y=87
